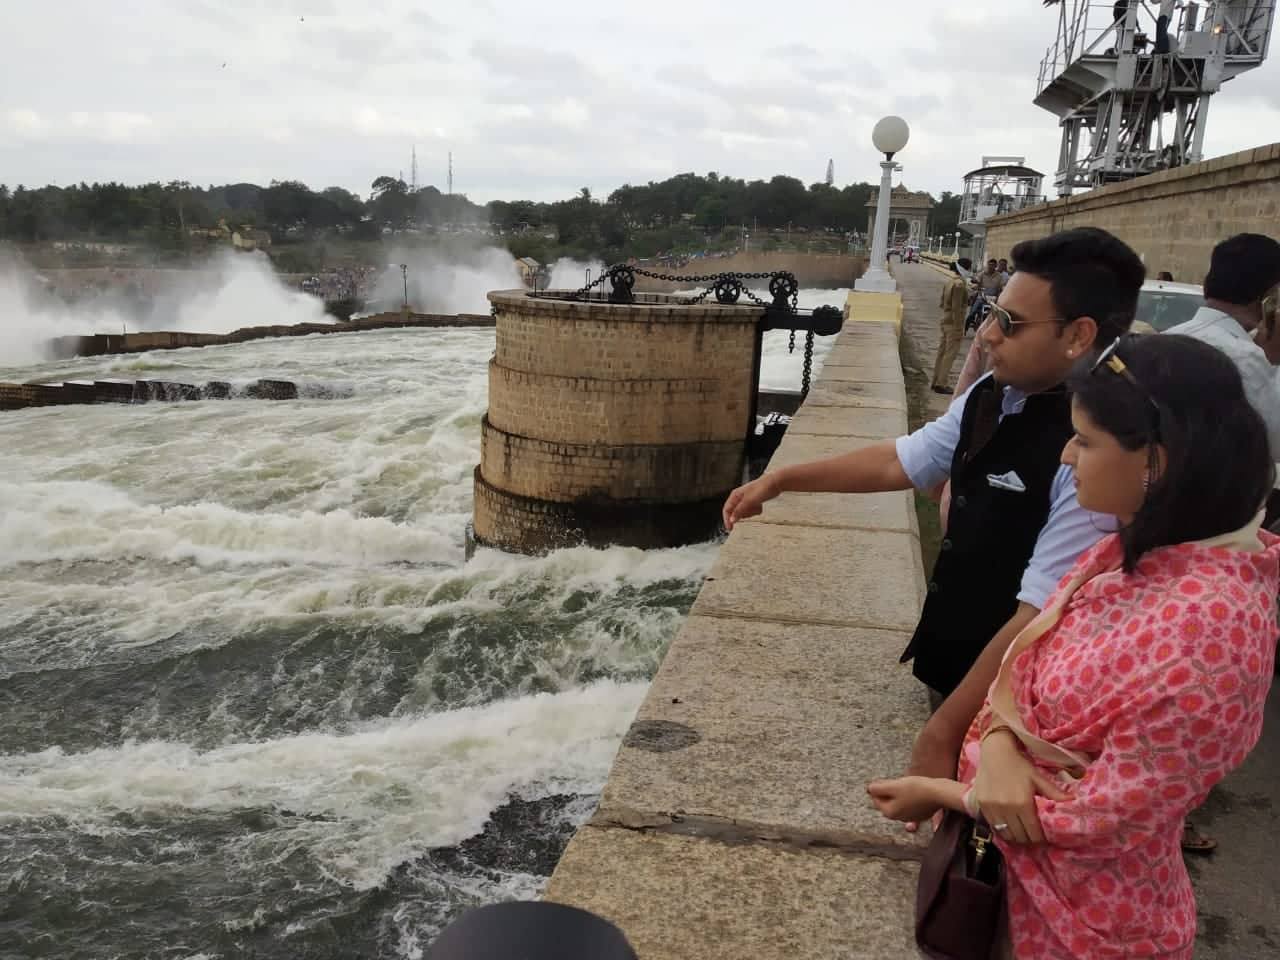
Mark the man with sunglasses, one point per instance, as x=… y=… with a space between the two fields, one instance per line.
x=1014 y=526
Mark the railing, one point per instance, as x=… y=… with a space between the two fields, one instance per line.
x=1092 y=30
x=1248 y=28
x=977 y=209
x=1081 y=27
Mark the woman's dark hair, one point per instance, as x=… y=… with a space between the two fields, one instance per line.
x=1218 y=467
x=1090 y=273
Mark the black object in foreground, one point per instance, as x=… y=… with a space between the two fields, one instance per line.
x=530 y=931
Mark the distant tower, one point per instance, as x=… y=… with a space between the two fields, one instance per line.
x=413 y=169
x=831 y=173
x=451 y=173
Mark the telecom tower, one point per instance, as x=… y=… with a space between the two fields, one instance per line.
x=413 y=170
x=451 y=173
x=1116 y=70
x=831 y=173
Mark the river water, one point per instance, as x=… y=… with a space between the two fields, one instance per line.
x=254 y=701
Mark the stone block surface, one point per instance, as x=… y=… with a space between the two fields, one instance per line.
x=815 y=575
x=681 y=898
x=785 y=725
x=877 y=511
x=566 y=472
x=873 y=422
x=829 y=392
x=864 y=370
x=590 y=411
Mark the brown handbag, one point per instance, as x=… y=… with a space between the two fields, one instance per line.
x=960 y=906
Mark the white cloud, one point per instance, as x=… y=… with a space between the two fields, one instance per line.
x=535 y=101
x=25 y=123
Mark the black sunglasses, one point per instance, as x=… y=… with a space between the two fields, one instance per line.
x=1004 y=319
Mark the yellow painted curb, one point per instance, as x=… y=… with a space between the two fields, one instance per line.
x=864 y=307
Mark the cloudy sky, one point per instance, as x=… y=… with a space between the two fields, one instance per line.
x=534 y=99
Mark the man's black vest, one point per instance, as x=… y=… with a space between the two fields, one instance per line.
x=991 y=529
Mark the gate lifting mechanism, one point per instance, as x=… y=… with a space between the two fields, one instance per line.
x=781 y=312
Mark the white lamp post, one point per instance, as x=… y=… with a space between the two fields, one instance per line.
x=956 y=252
x=889 y=136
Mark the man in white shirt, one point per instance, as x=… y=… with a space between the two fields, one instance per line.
x=1239 y=318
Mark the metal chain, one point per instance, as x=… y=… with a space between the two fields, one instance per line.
x=581 y=293
x=808 y=363
x=710 y=279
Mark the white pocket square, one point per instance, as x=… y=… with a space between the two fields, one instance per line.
x=1007 y=481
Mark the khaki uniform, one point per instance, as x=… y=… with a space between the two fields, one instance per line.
x=954 y=304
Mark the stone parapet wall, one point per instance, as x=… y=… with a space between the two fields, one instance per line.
x=1172 y=219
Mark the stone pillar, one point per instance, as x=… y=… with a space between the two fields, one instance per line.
x=612 y=423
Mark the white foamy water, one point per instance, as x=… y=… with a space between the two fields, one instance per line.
x=228 y=292
x=374 y=797
x=239 y=640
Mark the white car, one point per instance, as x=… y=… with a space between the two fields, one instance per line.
x=1163 y=304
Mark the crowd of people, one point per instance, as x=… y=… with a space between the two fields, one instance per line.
x=1098 y=638
x=341 y=283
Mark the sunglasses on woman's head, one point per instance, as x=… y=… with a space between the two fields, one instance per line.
x=1109 y=359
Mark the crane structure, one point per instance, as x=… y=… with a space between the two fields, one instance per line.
x=1117 y=71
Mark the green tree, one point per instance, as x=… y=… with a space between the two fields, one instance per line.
x=390 y=204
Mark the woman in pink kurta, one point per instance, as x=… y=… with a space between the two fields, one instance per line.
x=1143 y=681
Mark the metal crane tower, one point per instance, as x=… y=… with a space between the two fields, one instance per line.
x=1116 y=70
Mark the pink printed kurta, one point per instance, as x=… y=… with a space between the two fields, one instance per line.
x=1160 y=678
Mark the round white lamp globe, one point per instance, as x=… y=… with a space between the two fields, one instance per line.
x=890 y=135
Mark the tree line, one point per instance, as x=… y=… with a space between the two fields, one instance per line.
x=685 y=212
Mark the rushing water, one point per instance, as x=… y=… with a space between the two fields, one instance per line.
x=254 y=701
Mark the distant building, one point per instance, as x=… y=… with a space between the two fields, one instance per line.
x=908 y=213
x=1001 y=185
x=530 y=270
x=247 y=238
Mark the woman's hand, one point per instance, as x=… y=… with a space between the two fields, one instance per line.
x=910 y=798
x=1006 y=787
x=749 y=499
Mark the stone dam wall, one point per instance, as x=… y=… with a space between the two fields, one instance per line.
x=1173 y=219
x=734 y=823
x=101 y=344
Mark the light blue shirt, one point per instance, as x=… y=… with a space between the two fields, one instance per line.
x=1070 y=529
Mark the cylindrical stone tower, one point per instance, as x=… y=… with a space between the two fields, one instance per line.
x=613 y=423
